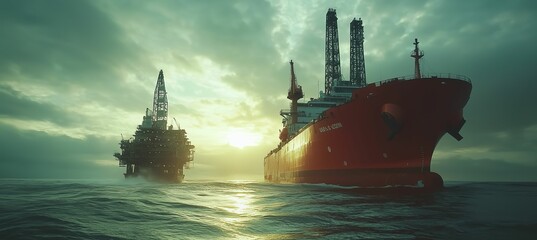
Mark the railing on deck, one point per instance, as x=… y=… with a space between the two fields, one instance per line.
x=431 y=75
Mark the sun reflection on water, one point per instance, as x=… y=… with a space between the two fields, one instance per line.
x=231 y=206
x=239 y=203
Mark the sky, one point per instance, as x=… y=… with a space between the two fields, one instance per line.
x=77 y=76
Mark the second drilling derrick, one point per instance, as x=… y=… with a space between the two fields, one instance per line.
x=357 y=62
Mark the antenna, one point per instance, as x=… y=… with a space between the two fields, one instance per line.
x=417 y=54
x=177 y=124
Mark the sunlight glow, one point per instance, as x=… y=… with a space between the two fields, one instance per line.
x=241 y=138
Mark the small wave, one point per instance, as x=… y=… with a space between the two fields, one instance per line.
x=258 y=210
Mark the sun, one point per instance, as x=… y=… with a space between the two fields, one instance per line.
x=241 y=138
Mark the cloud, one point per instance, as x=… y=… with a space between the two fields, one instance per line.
x=33 y=154
x=60 y=38
x=15 y=105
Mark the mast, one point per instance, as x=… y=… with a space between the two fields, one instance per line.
x=332 y=70
x=295 y=93
x=357 y=62
x=160 y=104
x=417 y=54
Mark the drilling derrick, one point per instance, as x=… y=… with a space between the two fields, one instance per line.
x=357 y=65
x=295 y=93
x=160 y=104
x=332 y=65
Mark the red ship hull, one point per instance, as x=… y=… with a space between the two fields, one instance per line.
x=384 y=136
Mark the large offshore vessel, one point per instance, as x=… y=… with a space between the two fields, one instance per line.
x=156 y=151
x=367 y=135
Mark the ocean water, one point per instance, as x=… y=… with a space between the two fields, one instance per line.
x=79 y=209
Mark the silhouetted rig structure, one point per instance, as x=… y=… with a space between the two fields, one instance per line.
x=157 y=152
x=333 y=78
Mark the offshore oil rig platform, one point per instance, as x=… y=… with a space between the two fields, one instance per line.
x=157 y=151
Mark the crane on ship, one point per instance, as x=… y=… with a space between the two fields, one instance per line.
x=295 y=93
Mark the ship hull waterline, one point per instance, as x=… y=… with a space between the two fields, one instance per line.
x=384 y=136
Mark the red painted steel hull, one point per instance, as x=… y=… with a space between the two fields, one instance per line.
x=384 y=136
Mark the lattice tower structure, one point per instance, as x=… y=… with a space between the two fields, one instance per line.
x=357 y=60
x=160 y=104
x=332 y=70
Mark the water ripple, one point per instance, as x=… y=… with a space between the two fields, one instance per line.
x=41 y=209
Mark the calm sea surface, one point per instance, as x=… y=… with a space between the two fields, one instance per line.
x=77 y=209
